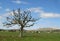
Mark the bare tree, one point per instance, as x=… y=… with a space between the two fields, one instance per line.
x=22 y=19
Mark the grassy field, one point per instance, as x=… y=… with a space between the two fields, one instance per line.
x=13 y=36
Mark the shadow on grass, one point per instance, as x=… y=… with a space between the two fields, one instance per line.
x=12 y=36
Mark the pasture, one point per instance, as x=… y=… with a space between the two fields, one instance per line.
x=13 y=36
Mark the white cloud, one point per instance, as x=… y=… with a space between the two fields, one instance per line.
x=36 y=10
x=0 y=17
x=44 y=14
x=7 y=9
x=0 y=7
x=50 y=15
x=39 y=11
x=9 y=13
x=19 y=2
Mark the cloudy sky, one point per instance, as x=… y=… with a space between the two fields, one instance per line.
x=48 y=10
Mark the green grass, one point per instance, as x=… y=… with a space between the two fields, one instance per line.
x=13 y=36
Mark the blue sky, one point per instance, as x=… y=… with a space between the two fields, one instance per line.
x=48 y=10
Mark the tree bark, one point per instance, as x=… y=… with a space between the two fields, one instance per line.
x=21 y=32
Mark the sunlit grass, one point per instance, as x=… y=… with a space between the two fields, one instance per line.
x=13 y=36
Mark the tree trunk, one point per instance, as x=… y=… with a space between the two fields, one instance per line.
x=21 y=32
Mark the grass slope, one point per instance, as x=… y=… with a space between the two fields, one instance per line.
x=13 y=36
